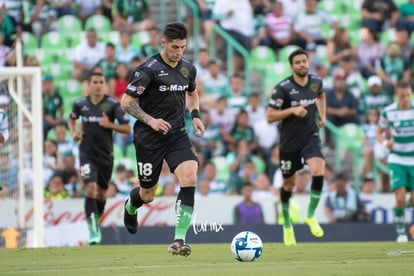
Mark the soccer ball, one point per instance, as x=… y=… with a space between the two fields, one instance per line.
x=246 y=246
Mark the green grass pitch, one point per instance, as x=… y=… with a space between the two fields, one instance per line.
x=347 y=258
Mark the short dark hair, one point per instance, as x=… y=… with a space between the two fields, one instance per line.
x=295 y=53
x=96 y=74
x=403 y=84
x=175 y=30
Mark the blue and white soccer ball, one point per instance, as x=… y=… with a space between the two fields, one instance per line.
x=246 y=246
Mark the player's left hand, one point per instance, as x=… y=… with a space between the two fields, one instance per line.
x=104 y=121
x=198 y=127
x=321 y=122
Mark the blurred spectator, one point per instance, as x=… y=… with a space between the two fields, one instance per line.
x=354 y=81
x=279 y=27
x=87 y=55
x=339 y=47
x=292 y=7
x=203 y=188
x=206 y=15
x=379 y=14
x=55 y=188
x=368 y=185
x=88 y=8
x=109 y=63
x=240 y=171
x=369 y=52
x=302 y=180
x=369 y=130
x=135 y=62
x=71 y=176
x=14 y=9
x=210 y=144
x=119 y=83
x=341 y=105
x=153 y=47
x=122 y=182
x=107 y=8
x=344 y=204
x=7 y=28
x=216 y=187
x=52 y=105
x=375 y=98
x=308 y=25
x=66 y=144
x=266 y=134
x=170 y=189
x=125 y=51
x=406 y=19
x=273 y=164
x=8 y=174
x=237 y=97
x=329 y=172
x=394 y=67
x=4 y=128
x=262 y=186
x=52 y=160
x=215 y=82
x=133 y=15
x=43 y=19
x=236 y=18
x=322 y=70
x=240 y=131
x=402 y=38
x=248 y=211
x=222 y=115
x=255 y=109
x=202 y=63
x=63 y=7
x=260 y=9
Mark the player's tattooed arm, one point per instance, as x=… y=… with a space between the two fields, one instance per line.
x=131 y=106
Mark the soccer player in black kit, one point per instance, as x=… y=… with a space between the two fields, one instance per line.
x=98 y=113
x=294 y=102
x=158 y=93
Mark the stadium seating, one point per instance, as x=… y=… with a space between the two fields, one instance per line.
x=140 y=38
x=101 y=24
x=29 y=43
x=54 y=42
x=69 y=26
x=262 y=58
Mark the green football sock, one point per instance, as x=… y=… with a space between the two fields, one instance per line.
x=130 y=209
x=315 y=196
x=183 y=214
x=399 y=214
x=286 y=216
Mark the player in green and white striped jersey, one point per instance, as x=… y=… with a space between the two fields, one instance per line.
x=398 y=118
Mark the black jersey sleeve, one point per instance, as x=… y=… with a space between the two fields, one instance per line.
x=192 y=80
x=139 y=80
x=75 y=110
x=277 y=98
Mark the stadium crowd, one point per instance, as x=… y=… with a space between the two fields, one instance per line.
x=361 y=51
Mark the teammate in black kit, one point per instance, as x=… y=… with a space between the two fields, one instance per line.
x=157 y=95
x=98 y=112
x=294 y=102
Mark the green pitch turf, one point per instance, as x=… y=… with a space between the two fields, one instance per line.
x=369 y=258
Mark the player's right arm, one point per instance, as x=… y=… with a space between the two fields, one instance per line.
x=278 y=110
x=131 y=106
